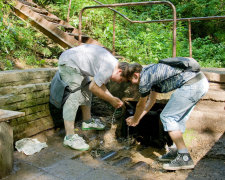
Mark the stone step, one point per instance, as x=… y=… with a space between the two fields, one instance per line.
x=211 y=121
x=215 y=95
x=217 y=86
x=214 y=74
x=51 y=19
x=28 y=3
x=40 y=11
x=210 y=106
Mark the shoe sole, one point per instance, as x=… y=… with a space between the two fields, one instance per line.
x=85 y=149
x=91 y=128
x=179 y=168
x=165 y=160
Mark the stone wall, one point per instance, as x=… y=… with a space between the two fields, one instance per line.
x=209 y=113
x=28 y=91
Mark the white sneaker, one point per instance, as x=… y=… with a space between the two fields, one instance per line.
x=95 y=124
x=76 y=142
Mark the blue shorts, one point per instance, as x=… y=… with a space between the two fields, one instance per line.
x=181 y=103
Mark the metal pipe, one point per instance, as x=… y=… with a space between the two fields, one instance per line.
x=68 y=14
x=189 y=32
x=193 y=19
x=108 y=155
x=134 y=4
x=114 y=32
x=152 y=21
x=179 y=19
x=122 y=161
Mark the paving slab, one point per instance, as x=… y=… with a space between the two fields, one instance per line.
x=69 y=169
x=101 y=174
x=44 y=158
x=57 y=162
x=208 y=169
x=24 y=171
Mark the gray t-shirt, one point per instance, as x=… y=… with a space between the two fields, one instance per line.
x=92 y=60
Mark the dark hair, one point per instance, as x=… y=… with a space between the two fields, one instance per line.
x=129 y=69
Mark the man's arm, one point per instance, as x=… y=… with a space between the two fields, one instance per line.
x=143 y=106
x=150 y=103
x=103 y=93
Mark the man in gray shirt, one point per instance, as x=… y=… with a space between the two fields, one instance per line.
x=76 y=65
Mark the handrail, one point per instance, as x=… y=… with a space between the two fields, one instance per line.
x=131 y=4
x=151 y=21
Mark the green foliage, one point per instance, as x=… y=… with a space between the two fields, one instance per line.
x=143 y=43
x=204 y=8
x=18 y=40
x=147 y=43
x=209 y=54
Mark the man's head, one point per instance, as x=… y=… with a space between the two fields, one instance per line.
x=126 y=72
x=132 y=74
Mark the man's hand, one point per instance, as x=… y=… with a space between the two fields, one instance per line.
x=103 y=93
x=116 y=102
x=131 y=121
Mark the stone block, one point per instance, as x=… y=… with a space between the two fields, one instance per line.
x=215 y=95
x=215 y=74
x=207 y=116
x=23 y=89
x=26 y=75
x=6 y=149
x=217 y=86
x=31 y=128
x=35 y=109
x=25 y=104
x=38 y=94
x=33 y=117
x=11 y=98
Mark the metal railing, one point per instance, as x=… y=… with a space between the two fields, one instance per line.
x=174 y=20
x=131 y=21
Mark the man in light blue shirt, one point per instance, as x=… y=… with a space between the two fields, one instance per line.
x=189 y=88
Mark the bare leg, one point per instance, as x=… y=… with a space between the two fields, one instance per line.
x=177 y=138
x=69 y=127
x=86 y=112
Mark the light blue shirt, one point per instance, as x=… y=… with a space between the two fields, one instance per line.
x=162 y=78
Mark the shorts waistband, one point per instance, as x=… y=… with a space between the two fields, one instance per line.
x=195 y=79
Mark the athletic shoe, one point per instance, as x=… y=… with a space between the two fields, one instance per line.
x=76 y=142
x=171 y=155
x=182 y=161
x=94 y=124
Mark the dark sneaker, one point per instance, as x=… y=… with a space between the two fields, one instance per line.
x=182 y=161
x=171 y=155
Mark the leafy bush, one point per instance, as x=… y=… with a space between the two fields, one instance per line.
x=209 y=54
x=147 y=43
x=143 y=43
x=18 y=40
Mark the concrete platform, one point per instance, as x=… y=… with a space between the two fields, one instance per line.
x=57 y=162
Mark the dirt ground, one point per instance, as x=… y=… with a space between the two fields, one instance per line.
x=128 y=160
x=206 y=148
